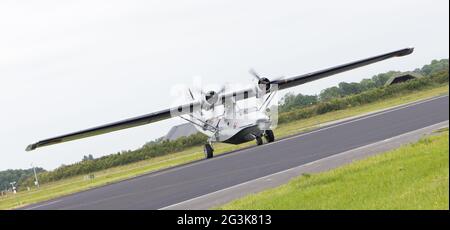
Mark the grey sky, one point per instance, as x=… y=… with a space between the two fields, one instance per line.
x=70 y=65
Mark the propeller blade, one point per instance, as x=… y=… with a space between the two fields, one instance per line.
x=223 y=89
x=192 y=95
x=199 y=91
x=254 y=73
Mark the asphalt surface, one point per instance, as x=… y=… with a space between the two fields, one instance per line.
x=168 y=187
x=221 y=197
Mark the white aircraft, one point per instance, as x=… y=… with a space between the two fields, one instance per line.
x=235 y=125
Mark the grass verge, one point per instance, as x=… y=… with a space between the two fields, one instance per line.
x=80 y=183
x=414 y=176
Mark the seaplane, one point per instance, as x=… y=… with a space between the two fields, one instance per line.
x=235 y=125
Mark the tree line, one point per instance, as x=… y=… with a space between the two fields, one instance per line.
x=16 y=175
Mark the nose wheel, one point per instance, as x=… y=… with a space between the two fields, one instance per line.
x=208 y=150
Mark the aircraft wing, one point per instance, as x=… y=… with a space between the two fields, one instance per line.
x=115 y=126
x=189 y=108
x=302 y=79
x=305 y=78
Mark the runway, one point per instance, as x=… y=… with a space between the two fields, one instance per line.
x=161 y=189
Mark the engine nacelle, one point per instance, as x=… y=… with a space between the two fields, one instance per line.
x=209 y=99
x=262 y=87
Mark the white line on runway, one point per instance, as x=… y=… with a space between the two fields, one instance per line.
x=42 y=205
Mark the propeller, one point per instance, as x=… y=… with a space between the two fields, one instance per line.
x=208 y=94
x=259 y=77
x=263 y=82
x=211 y=94
x=211 y=97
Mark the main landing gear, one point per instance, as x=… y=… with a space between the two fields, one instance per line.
x=208 y=149
x=268 y=135
x=259 y=140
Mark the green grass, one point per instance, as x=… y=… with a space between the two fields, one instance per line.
x=414 y=176
x=79 y=183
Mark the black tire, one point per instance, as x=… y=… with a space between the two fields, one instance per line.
x=270 y=137
x=208 y=151
x=259 y=140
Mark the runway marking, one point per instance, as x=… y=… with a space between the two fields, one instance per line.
x=42 y=205
x=435 y=126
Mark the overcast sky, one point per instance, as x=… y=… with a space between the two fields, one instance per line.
x=70 y=65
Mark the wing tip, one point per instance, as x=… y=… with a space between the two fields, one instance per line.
x=31 y=147
x=406 y=51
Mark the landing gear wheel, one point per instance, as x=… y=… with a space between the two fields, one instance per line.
x=270 y=137
x=208 y=151
x=259 y=140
